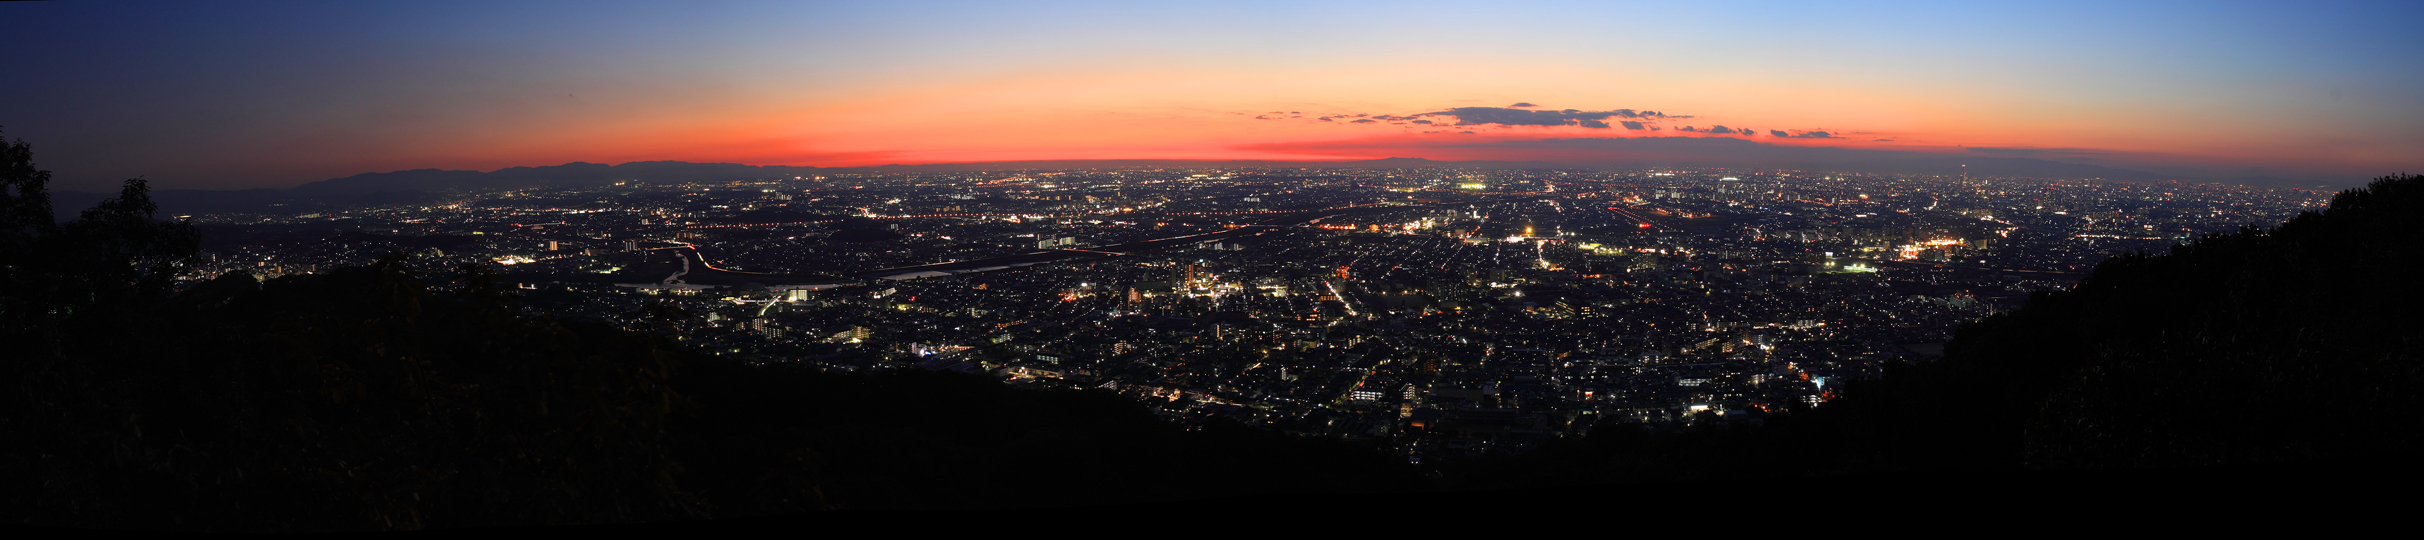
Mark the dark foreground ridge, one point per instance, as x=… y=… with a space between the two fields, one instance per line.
x=363 y=399
x=2289 y=345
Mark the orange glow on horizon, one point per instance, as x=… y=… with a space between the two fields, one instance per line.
x=1180 y=114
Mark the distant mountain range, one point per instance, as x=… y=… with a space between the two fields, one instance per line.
x=420 y=185
x=581 y=174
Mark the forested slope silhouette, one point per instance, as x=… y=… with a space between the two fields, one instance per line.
x=2297 y=343
x=364 y=399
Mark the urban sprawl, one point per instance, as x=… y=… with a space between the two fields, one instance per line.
x=1445 y=313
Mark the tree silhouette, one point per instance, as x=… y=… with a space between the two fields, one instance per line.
x=353 y=399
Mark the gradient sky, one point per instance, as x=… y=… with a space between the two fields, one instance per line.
x=271 y=94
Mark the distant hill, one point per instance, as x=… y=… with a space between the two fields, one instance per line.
x=2276 y=182
x=569 y=175
x=1653 y=152
x=1384 y=163
x=419 y=186
x=580 y=174
x=175 y=202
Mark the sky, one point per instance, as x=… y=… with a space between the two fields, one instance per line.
x=228 y=95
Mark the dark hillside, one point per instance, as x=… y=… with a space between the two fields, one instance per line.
x=927 y=440
x=2294 y=344
x=359 y=399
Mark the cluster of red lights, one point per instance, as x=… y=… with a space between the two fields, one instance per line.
x=1234 y=212
x=757 y=224
x=952 y=215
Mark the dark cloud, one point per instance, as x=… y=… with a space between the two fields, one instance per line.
x=1802 y=135
x=1688 y=128
x=1503 y=117
x=2031 y=152
x=1721 y=130
x=1697 y=149
x=1261 y=117
x=1779 y=133
x=1469 y=116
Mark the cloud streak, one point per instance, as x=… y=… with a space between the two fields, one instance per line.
x=1526 y=114
x=1505 y=116
x=1719 y=129
x=2032 y=152
x=1699 y=150
x=1518 y=114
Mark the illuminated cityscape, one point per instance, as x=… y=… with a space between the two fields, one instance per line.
x=1448 y=312
x=784 y=267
